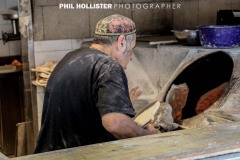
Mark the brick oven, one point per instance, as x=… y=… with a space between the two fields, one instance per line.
x=212 y=77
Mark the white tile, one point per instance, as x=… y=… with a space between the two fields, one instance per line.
x=2 y=4
x=40 y=98
x=76 y=43
x=5 y=28
x=52 y=45
x=42 y=57
x=4 y=49
x=11 y=4
x=40 y=89
x=2 y=21
x=8 y=22
x=14 y=48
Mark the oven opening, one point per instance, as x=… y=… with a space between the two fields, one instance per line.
x=207 y=78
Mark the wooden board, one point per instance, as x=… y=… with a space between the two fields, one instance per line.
x=199 y=142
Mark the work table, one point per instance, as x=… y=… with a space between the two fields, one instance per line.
x=195 y=143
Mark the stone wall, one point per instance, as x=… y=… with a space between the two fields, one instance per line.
x=51 y=23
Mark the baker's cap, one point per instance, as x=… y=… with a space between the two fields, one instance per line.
x=115 y=25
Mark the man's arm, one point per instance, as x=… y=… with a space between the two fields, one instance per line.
x=122 y=126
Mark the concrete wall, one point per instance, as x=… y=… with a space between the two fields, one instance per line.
x=52 y=23
x=11 y=48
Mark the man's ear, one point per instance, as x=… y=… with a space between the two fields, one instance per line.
x=121 y=43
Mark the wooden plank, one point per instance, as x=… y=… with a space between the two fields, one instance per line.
x=170 y=145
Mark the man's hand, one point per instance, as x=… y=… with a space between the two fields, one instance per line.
x=151 y=127
x=135 y=93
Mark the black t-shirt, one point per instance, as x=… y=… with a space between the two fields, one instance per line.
x=85 y=85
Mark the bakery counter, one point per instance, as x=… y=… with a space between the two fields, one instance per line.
x=209 y=142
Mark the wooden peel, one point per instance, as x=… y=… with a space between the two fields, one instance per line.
x=159 y=114
x=146 y=114
x=164 y=114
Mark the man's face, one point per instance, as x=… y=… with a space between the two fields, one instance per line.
x=126 y=56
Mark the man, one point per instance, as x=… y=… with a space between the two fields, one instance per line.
x=86 y=99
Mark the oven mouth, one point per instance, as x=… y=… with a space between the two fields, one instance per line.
x=206 y=74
